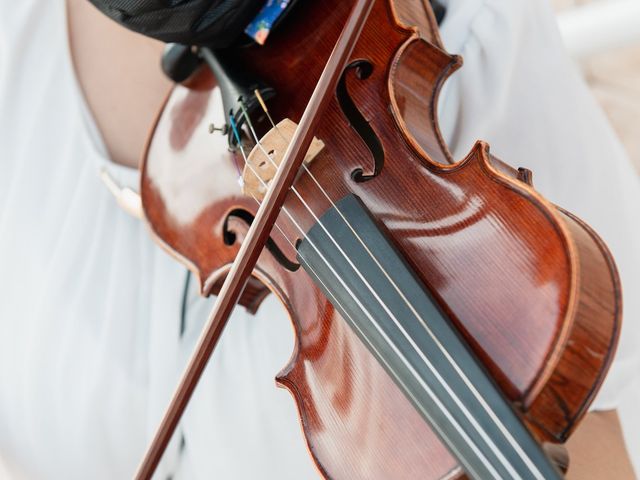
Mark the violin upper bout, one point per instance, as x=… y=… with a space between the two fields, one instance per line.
x=415 y=80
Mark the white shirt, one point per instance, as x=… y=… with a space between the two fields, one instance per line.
x=81 y=282
x=90 y=346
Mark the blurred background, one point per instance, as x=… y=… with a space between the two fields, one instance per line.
x=603 y=38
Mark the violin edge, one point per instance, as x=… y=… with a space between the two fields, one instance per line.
x=599 y=297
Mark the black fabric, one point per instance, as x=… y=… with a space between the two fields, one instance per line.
x=439 y=10
x=215 y=23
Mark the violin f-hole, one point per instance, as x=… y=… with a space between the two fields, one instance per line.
x=363 y=70
x=230 y=237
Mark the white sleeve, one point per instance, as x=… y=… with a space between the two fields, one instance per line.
x=519 y=91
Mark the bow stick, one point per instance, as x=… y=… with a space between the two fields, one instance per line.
x=257 y=236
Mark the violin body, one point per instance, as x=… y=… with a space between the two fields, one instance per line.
x=531 y=288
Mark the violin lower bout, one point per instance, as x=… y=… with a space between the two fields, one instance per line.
x=359 y=425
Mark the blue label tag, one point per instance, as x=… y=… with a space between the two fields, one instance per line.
x=260 y=27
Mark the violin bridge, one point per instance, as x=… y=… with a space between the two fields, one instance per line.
x=260 y=169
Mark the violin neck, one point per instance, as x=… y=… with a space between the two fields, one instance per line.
x=368 y=282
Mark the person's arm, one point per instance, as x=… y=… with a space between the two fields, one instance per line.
x=120 y=76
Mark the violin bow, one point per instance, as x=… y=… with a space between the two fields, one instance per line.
x=256 y=237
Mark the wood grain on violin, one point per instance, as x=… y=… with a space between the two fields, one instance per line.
x=532 y=290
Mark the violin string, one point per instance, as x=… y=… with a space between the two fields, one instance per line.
x=263 y=105
x=425 y=387
x=470 y=417
x=212 y=129
x=395 y=374
x=436 y=400
x=398 y=378
x=445 y=385
x=525 y=458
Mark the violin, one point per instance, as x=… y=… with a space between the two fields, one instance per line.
x=449 y=321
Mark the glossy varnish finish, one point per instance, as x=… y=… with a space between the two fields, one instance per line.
x=531 y=288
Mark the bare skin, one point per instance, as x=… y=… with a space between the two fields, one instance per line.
x=124 y=87
x=119 y=72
